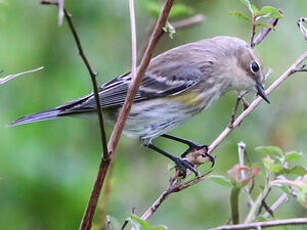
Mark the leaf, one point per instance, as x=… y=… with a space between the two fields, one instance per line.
x=248 y=5
x=270 y=150
x=221 y=180
x=296 y=170
x=145 y=225
x=265 y=25
x=269 y=11
x=240 y=16
x=277 y=169
x=302 y=198
x=293 y=155
x=284 y=188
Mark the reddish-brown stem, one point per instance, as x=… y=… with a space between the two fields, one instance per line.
x=123 y=115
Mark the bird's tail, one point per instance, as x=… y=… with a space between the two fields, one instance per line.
x=41 y=116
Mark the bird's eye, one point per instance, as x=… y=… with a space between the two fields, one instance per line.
x=255 y=67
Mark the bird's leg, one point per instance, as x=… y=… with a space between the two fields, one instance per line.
x=183 y=165
x=192 y=147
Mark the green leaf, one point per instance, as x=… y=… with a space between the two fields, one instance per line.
x=276 y=168
x=145 y=225
x=284 y=188
x=221 y=180
x=293 y=155
x=240 y=16
x=265 y=25
x=296 y=170
x=248 y=5
x=271 y=150
x=268 y=11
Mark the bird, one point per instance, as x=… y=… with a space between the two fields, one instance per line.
x=177 y=85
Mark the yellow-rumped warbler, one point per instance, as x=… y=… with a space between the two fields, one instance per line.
x=177 y=85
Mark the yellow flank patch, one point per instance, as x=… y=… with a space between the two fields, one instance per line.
x=188 y=99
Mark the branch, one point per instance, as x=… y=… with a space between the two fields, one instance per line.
x=13 y=76
x=150 y=211
x=256 y=102
x=133 y=39
x=265 y=224
x=276 y=204
x=61 y=12
x=105 y=159
x=265 y=31
x=123 y=115
x=301 y=26
x=173 y=187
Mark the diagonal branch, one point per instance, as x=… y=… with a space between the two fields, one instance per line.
x=228 y=130
x=173 y=187
x=257 y=101
x=123 y=115
x=13 y=76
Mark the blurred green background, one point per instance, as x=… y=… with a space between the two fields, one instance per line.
x=47 y=169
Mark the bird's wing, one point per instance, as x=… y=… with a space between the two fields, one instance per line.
x=154 y=85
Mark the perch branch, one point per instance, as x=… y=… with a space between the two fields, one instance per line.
x=173 y=187
x=228 y=130
x=257 y=101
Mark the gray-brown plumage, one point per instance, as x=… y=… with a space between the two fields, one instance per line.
x=177 y=85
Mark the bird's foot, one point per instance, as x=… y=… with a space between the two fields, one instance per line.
x=182 y=165
x=200 y=150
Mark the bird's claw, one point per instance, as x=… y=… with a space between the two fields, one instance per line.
x=183 y=165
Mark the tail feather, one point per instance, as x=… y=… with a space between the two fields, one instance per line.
x=41 y=116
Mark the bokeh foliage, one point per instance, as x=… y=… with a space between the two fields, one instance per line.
x=47 y=169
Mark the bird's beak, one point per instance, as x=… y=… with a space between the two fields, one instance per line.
x=261 y=92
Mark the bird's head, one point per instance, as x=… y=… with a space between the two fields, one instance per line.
x=242 y=65
x=247 y=71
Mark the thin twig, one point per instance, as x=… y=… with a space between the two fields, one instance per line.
x=265 y=224
x=61 y=12
x=87 y=219
x=302 y=27
x=133 y=39
x=109 y=223
x=276 y=204
x=265 y=31
x=13 y=76
x=181 y=24
x=252 y=212
x=253 y=31
x=93 y=75
x=173 y=187
x=124 y=112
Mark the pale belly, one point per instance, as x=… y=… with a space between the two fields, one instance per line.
x=153 y=118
